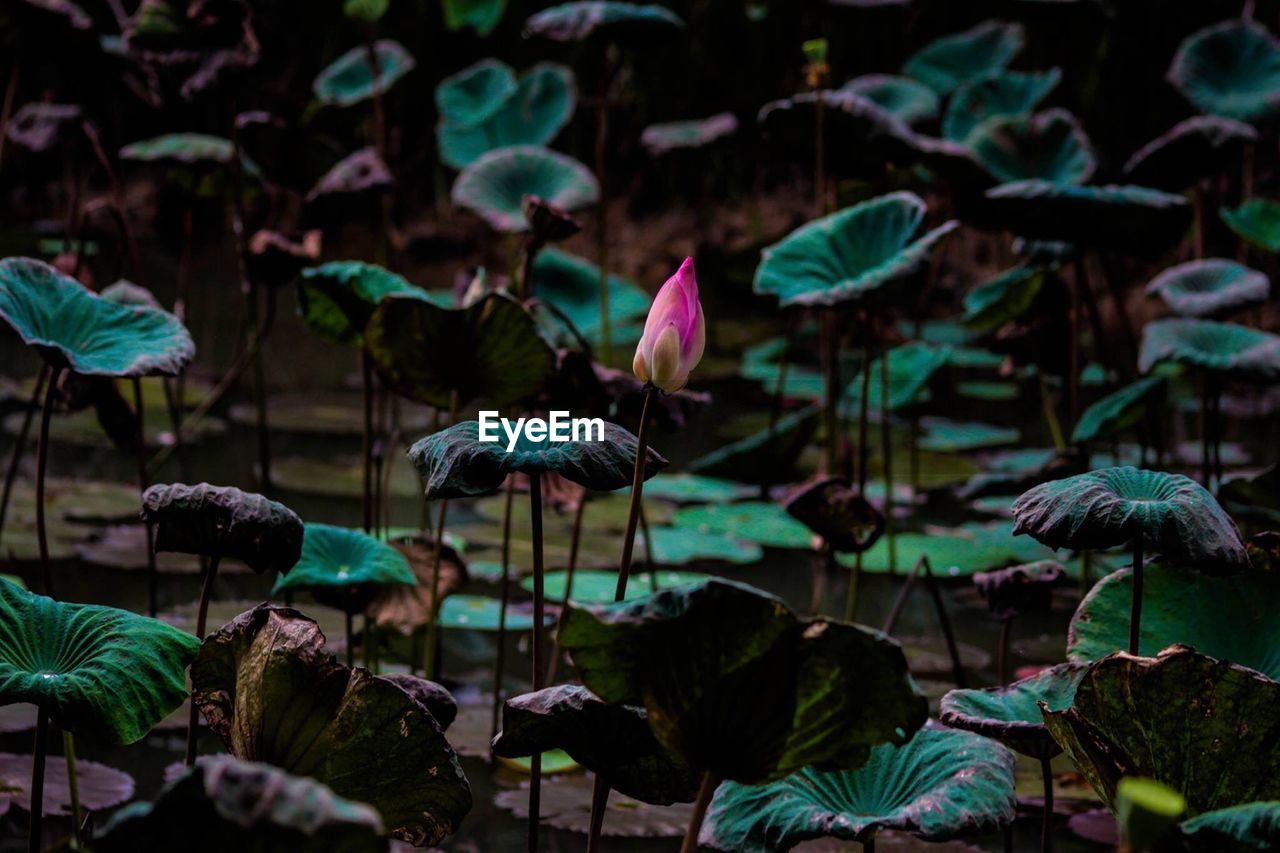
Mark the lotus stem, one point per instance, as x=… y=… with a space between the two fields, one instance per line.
x=535 y=649
x=855 y=581
x=869 y=846
x=864 y=406
x=20 y=444
x=1135 y=611
x=1197 y=207
x=819 y=156
x=366 y=385
x=602 y=210
x=351 y=654
x=430 y=661
x=73 y=784
x=260 y=399
x=42 y=463
x=886 y=451
x=505 y=593
x=6 y=112
x=914 y=463
x=831 y=359
x=202 y=615
x=575 y=540
x=1046 y=827
x=599 y=802
x=710 y=781
x=637 y=495
x=153 y=575
x=36 y=831
x=1050 y=415
x=1002 y=652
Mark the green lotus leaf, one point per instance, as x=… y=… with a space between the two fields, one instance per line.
x=956 y=553
x=1256 y=496
x=674 y=546
x=597 y=587
x=835 y=690
x=768 y=456
x=571 y=284
x=1256 y=221
x=490 y=349
x=494 y=185
x=837 y=512
x=1049 y=146
x=1192 y=150
x=994 y=302
x=607 y=20
x=185 y=148
x=763 y=522
x=222 y=521
x=1236 y=829
x=1210 y=287
x=240 y=805
x=911 y=366
x=72 y=327
x=866 y=134
x=1238 y=351
x=336 y=299
x=940 y=785
x=1230 y=69
x=337 y=562
x=476 y=93
x=944 y=435
x=1011 y=714
x=682 y=487
x=695 y=133
x=613 y=740
x=1007 y=93
x=455 y=463
x=1126 y=217
x=483 y=16
x=268 y=688
x=947 y=63
x=533 y=114
x=906 y=99
x=103 y=673
x=857 y=255
x=1232 y=618
x=1147 y=813
x=1212 y=744
x=1109 y=507
x=1120 y=410
x=358 y=173
x=350 y=78
x=481 y=613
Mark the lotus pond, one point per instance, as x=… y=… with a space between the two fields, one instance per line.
x=932 y=353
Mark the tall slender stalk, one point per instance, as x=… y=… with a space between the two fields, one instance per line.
x=500 y=662
x=1046 y=827
x=575 y=541
x=366 y=385
x=351 y=652
x=19 y=444
x=535 y=649
x=36 y=831
x=42 y=463
x=73 y=785
x=710 y=781
x=153 y=575
x=430 y=661
x=830 y=336
x=202 y=616
x=886 y=451
x=1135 y=608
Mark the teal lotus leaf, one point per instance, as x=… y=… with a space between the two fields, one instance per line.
x=607 y=20
x=494 y=186
x=941 y=785
x=953 y=553
x=1240 y=352
x=599 y=587
x=690 y=654
x=1011 y=714
x=350 y=78
x=1233 y=618
x=455 y=463
x=476 y=93
x=858 y=255
x=336 y=299
x=222 y=521
x=762 y=522
x=1255 y=496
x=1230 y=69
x=1193 y=149
x=481 y=613
x=948 y=436
x=613 y=740
x=682 y=487
x=185 y=148
x=1237 y=829
x=1213 y=744
x=1120 y=409
x=1008 y=93
x=72 y=327
x=489 y=349
x=911 y=366
x=102 y=673
x=1110 y=507
x=268 y=688
x=361 y=172
x=903 y=97
x=483 y=16
x=767 y=456
x=1049 y=146
x=533 y=114
x=675 y=546
x=997 y=301
x=1256 y=221
x=339 y=558
x=695 y=133
x=571 y=285
x=949 y=62
x=1135 y=219
x=1210 y=287
x=241 y=805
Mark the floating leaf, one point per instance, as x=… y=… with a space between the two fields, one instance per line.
x=1008 y=93
x=903 y=97
x=1049 y=146
x=1126 y=217
x=222 y=521
x=949 y=62
x=1230 y=69
x=1256 y=221
x=955 y=553
x=941 y=434
x=607 y=20
x=1011 y=714
x=1210 y=287
x=1238 y=351
x=674 y=546
x=494 y=185
x=1120 y=410
x=350 y=78
x=481 y=613
x=671 y=136
x=531 y=114
x=341 y=565
x=596 y=587
x=754 y=521
x=1193 y=149
x=682 y=487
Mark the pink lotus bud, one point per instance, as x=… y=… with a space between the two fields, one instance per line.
x=674 y=333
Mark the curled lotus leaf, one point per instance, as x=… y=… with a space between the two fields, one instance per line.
x=1127 y=217
x=1110 y=507
x=1256 y=221
x=489 y=349
x=857 y=255
x=103 y=673
x=408 y=609
x=39 y=126
x=1193 y=149
x=1026 y=588
x=833 y=509
x=949 y=62
x=222 y=521
x=360 y=172
x=1235 y=829
x=694 y=133
x=612 y=740
x=336 y=299
x=494 y=185
x=272 y=693
x=852 y=123
x=344 y=566
x=1233 y=618
x=1011 y=714
x=468 y=97
x=436 y=697
x=72 y=327
x=908 y=100
x=188 y=149
x=1240 y=352
x=1210 y=287
x=941 y=785
x=1009 y=93
x=1120 y=409
x=1049 y=146
x=455 y=463
x=533 y=113
x=1230 y=69
x=242 y=805
x=351 y=78
x=1212 y=744
x=686 y=654
x=1004 y=298
x=603 y=19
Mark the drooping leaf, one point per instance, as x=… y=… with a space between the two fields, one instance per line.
x=1210 y=287
x=272 y=693
x=222 y=521
x=1256 y=221
x=350 y=78
x=1011 y=714
x=942 y=434
x=994 y=302
x=1048 y=146
x=1254 y=496
x=494 y=185
x=835 y=690
x=483 y=16
x=408 y=609
x=532 y=114
x=1236 y=829
x=356 y=174
x=571 y=284
x=911 y=366
x=1007 y=93
x=1120 y=410
x=345 y=566
x=949 y=62
x=103 y=673
x=481 y=613
x=837 y=512
x=337 y=298
x=858 y=255
x=1239 y=352
x=1230 y=69
x=910 y=101
x=671 y=136
x=768 y=456
x=603 y=19
x=72 y=327
x=1133 y=219
x=1193 y=149
x=940 y=785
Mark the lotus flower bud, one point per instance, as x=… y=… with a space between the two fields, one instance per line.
x=674 y=333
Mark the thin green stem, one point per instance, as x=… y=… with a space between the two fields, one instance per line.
x=500 y=663
x=20 y=444
x=1046 y=827
x=73 y=785
x=706 y=790
x=42 y=463
x=153 y=574
x=36 y=832
x=1135 y=610
x=886 y=451
x=535 y=648
x=202 y=616
x=429 y=661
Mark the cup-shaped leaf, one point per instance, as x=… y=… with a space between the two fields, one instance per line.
x=103 y=673
x=1230 y=69
x=1193 y=149
x=1026 y=588
x=1009 y=93
x=1120 y=409
x=1135 y=219
x=473 y=123
x=337 y=298
x=911 y=366
x=494 y=185
x=1210 y=287
x=475 y=93
x=1011 y=714
x=949 y=62
x=344 y=566
x=695 y=133
x=72 y=327
x=910 y=101
x=222 y=521
x=1239 y=352
x=1049 y=146
x=606 y=20
x=351 y=78
x=272 y=693
x=866 y=133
